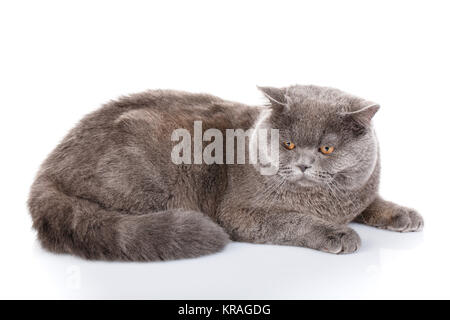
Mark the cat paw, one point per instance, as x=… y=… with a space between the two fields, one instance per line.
x=339 y=241
x=405 y=220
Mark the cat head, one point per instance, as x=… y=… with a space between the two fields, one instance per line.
x=326 y=136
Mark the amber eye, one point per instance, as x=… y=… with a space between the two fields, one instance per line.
x=326 y=149
x=289 y=145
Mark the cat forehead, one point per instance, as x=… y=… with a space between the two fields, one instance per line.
x=314 y=109
x=310 y=128
x=312 y=115
x=325 y=94
x=316 y=99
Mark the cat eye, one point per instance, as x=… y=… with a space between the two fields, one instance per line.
x=326 y=149
x=289 y=145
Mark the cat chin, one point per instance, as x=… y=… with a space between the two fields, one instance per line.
x=307 y=183
x=303 y=181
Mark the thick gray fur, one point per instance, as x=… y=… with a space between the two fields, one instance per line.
x=110 y=190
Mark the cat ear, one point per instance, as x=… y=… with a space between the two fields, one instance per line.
x=363 y=116
x=277 y=97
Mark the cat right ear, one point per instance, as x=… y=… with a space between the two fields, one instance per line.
x=277 y=97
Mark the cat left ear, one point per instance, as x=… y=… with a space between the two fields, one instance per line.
x=277 y=97
x=365 y=115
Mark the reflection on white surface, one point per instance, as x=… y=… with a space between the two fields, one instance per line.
x=383 y=268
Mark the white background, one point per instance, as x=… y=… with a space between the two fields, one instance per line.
x=62 y=59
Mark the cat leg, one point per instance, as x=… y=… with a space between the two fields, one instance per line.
x=295 y=229
x=387 y=215
x=329 y=238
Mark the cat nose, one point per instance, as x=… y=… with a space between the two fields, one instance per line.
x=303 y=167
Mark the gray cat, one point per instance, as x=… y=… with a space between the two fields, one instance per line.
x=110 y=190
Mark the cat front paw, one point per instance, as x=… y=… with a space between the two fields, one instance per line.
x=339 y=241
x=404 y=219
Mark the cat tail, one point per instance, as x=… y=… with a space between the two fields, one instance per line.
x=67 y=224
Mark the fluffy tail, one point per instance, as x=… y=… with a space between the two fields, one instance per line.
x=67 y=224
